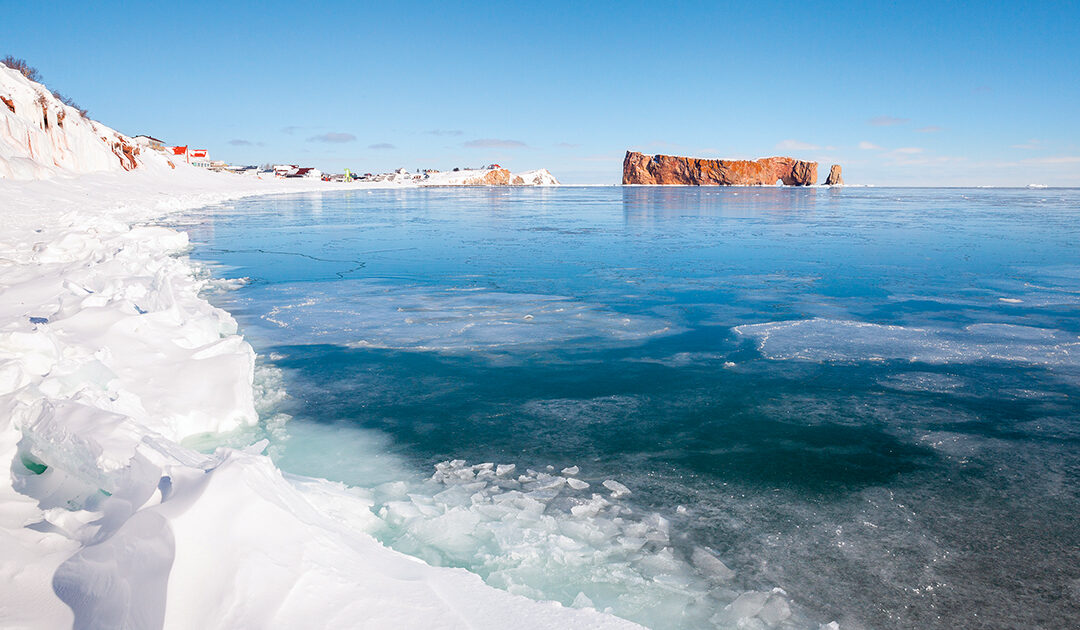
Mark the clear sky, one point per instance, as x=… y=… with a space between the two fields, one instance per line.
x=909 y=93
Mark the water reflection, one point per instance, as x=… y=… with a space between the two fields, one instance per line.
x=647 y=204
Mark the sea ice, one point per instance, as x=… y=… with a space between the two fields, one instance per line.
x=617 y=489
x=845 y=340
x=380 y=315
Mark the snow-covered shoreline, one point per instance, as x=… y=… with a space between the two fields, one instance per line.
x=108 y=358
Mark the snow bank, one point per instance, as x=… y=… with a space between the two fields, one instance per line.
x=109 y=359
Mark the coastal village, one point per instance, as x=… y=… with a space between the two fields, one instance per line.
x=491 y=174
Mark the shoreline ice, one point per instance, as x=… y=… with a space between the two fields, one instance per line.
x=108 y=360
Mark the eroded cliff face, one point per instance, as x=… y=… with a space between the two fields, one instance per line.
x=835 y=178
x=639 y=168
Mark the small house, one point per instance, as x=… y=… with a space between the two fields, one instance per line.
x=149 y=142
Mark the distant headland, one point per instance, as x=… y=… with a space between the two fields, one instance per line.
x=663 y=170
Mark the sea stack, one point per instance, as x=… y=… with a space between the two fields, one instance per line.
x=686 y=171
x=834 y=178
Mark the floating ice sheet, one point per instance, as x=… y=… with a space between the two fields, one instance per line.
x=413 y=317
x=845 y=340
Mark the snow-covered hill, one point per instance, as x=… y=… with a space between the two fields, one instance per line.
x=489 y=177
x=41 y=137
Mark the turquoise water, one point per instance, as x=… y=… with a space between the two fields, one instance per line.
x=867 y=398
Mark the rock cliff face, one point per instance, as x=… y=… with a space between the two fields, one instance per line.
x=835 y=178
x=669 y=169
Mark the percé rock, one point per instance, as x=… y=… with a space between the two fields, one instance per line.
x=672 y=170
x=834 y=178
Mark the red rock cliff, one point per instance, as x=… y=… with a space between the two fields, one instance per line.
x=669 y=169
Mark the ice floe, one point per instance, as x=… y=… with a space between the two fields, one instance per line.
x=847 y=340
x=411 y=317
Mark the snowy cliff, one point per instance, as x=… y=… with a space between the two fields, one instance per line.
x=41 y=137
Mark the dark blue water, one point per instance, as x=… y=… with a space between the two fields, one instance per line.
x=867 y=398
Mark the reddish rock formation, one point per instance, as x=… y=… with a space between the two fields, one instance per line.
x=496 y=177
x=10 y=103
x=668 y=169
x=127 y=154
x=835 y=178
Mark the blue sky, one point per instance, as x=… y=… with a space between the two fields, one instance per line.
x=935 y=93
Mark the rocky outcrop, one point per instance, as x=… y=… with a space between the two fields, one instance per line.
x=10 y=103
x=126 y=153
x=835 y=178
x=672 y=170
x=494 y=177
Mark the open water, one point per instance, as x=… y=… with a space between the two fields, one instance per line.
x=809 y=405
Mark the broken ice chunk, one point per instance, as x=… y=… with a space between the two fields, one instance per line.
x=582 y=601
x=710 y=565
x=617 y=489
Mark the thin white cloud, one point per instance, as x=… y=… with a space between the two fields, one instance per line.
x=493 y=143
x=796 y=145
x=381 y=146
x=869 y=146
x=930 y=129
x=887 y=121
x=333 y=137
x=1030 y=145
x=241 y=143
x=1059 y=159
x=444 y=132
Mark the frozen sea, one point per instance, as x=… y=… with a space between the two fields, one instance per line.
x=688 y=406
